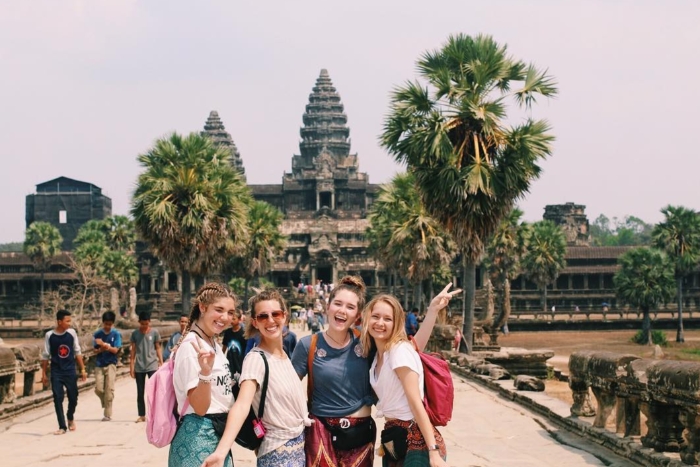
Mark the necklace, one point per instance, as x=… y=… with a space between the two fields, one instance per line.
x=343 y=344
x=211 y=339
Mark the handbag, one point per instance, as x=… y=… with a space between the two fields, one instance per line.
x=252 y=432
x=345 y=439
x=395 y=442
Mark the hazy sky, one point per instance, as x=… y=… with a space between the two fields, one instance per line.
x=85 y=86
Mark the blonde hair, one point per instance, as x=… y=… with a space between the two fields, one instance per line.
x=398 y=333
x=263 y=296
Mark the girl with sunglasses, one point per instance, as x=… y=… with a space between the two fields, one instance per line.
x=285 y=406
x=201 y=377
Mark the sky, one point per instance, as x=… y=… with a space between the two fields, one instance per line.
x=87 y=85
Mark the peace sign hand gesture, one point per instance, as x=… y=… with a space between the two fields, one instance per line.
x=441 y=300
x=205 y=357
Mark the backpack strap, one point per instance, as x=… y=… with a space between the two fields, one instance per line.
x=263 y=390
x=310 y=369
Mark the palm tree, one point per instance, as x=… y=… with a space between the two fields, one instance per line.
x=679 y=236
x=265 y=243
x=645 y=280
x=417 y=243
x=190 y=206
x=470 y=165
x=545 y=255
x=504 y=254
x=42 y=242
x=120 y=233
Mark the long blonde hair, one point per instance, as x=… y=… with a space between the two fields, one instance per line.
x=398 y=333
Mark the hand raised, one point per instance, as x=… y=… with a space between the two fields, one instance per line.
x=205 y=357
x=441 y=300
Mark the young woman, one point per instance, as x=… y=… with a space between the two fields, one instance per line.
x=335 y=404
x=396 y=376
x=285 y=407
x=201 y=377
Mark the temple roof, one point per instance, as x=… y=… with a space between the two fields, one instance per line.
x=214 y=129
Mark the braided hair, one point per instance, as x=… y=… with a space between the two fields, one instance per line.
x=206 y=295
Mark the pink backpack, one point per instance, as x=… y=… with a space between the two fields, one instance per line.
x=161 y=406
x=439 y=390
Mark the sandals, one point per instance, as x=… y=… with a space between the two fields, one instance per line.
x=71 y=425
x=60 y=431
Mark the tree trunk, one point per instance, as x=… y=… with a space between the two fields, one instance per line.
x=392 y=280
x=245 y=293
x=41 y=299
x=419 y=303
x=186 y=293
x=544 y=298
x=646 y=325
x=405 y=294
x=469 y=285
x=679 y=333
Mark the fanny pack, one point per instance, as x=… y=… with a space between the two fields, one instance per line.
x=345 y=439
x=219 y=422
x=395 y=442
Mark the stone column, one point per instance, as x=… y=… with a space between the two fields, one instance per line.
x=664 y=429
x=2 y=289
x=585 y=281
x=166 y=282
x=332 y=199
x=318 y=200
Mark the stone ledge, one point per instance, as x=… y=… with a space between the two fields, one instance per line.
x=558 y=412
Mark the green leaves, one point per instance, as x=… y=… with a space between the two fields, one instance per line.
x=545 y=253
x=679 y=236
x=42 y=242
x=645 y=278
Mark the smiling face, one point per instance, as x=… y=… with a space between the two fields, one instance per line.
x=216 y=316
x=343 y=310
x=381 y=322
x=269 y=318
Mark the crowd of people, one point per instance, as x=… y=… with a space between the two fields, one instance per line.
x=220 y=363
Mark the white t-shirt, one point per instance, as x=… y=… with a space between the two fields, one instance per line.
x=186 y=376
x=387 y=385
x=285 y=402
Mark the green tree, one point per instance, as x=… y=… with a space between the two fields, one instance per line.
x=645 y=280
x=679 y=236
x=545 y=256
x=418 y=243
x=504 y=253
x=265 y=243
x=120 y=233
x=470 y=165
x=190 y=206
x=42 y=242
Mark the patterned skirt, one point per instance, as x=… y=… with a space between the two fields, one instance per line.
x=290 y=454
x=194 y=441
x=321 y=453
x=417 y=454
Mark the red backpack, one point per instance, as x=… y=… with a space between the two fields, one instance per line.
x=438 y=387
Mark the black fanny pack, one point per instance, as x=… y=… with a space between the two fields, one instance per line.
x=219 y=422
x=395 y=442
x=345 y=439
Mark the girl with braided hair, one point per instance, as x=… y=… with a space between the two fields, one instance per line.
x=201 y=378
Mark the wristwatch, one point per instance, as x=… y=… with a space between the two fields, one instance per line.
x=433 y=447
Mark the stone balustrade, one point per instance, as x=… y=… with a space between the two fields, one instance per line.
x=24 y=361
x=666 y=392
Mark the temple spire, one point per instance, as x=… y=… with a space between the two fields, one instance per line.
x=215 y=130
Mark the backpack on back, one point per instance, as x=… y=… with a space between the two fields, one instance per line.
x=438 y=387
x=161 y=406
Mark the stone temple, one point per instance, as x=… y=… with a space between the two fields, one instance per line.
x=324 y=199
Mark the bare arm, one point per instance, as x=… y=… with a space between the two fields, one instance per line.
x=132 y=360
x=44 y=377
x=440 y=301
x=159 y=352
x=81 y=363
x=409 y=381
x=234 y=422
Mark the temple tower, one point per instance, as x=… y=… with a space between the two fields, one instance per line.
x=573 y=221
x=215 y=130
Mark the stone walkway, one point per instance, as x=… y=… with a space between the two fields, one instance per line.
x=486 y=431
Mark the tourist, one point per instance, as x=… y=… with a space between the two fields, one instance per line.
x=62 y=348
x=396 y=376
x=107 y=343
x=412 y=322
x=202 y=378
x=341 y=393
x=175 y=338
x=311 y=318
x=144 y=358
x=289 y=341
x=285 y=409
x=234 y=343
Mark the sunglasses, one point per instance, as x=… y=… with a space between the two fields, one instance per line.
x=264 y=316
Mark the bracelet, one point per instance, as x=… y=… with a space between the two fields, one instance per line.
x=433 y=447
x=206 y=378
x=205 y=381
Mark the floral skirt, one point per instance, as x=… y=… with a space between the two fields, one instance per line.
x=321 y=453
x=194 y=441
x=417 y=454
x=290 y=454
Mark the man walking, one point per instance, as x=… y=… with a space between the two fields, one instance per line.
x=175 y=338
x=107 y=343
x=145 y=358
x=62 y=348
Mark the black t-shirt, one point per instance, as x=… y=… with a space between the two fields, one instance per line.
x=234 y=345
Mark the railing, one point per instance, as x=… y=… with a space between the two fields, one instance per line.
x=666 y=393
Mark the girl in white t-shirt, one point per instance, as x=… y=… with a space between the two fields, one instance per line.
x=201 y=377
x=285 y=414
x=396 y=375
